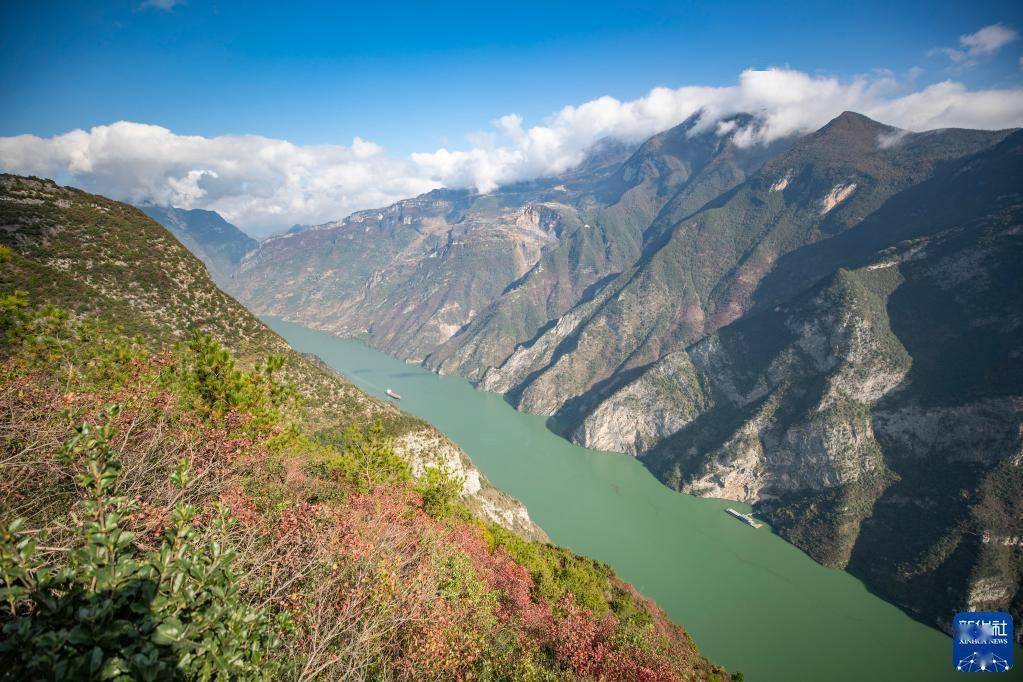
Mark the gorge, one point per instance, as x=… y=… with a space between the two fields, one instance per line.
x=757 y=322
x=751 y=601
x=530 y=342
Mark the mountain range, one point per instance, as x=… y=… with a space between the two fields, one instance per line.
x=827 y=326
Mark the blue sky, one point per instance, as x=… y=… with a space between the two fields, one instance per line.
x=420 y=75
x=302 y=112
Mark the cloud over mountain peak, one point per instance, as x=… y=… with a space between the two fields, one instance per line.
x=265 y=184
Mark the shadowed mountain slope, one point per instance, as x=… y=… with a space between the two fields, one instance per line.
x=218 y=244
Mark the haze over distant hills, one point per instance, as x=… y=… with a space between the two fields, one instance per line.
x=827 y=327
x=218 y=244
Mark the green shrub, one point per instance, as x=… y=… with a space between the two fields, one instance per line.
x=112 y=612
x=556 y=571
x=208 y=376
x=440 y=491
x=366 y=459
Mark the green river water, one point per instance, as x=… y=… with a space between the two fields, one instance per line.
x=751 y=601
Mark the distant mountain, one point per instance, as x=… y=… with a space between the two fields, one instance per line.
x=827 y=327
x=217 y=243
x=459 y=279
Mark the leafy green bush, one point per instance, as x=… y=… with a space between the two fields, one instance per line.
x=112 y=612
x=365 y=459
x=217 y=387
x=440 y=491
x=557 y=572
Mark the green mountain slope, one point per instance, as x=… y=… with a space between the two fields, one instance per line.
x=103 y=258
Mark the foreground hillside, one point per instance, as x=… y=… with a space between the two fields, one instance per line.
x=182 y=496
x=102 y=258
x=827 y=328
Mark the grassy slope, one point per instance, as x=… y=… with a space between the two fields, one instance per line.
x=96 y=256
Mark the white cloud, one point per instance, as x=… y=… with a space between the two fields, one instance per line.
x=261 y=183
x=166 y=5
x=988 y=40
x=785 y=101
x=264 y=184
x=975 y=46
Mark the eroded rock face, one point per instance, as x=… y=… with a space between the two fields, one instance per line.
x=405 y=279
x=646 y=411
x=837 y=195
x=987 y=593
x=828 y=340
x=515 y=371
x=427 y=448
x=867 y=412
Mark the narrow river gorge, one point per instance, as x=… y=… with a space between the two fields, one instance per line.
x=751 y=601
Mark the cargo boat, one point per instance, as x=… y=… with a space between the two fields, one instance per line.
x=745 y=518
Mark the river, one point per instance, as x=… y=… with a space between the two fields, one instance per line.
x=751 y=601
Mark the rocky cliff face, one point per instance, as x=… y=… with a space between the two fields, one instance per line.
x=624 y=211
x=875 y=413
x=702 y=272
x=405 y=278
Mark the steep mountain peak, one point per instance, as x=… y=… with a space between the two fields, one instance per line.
x=852 y=120
x=681 y=149
x=605 y=152
x=850 y=125
x=671 y=139
x=850 y=144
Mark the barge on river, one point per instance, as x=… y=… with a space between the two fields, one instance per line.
x=745 y=518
